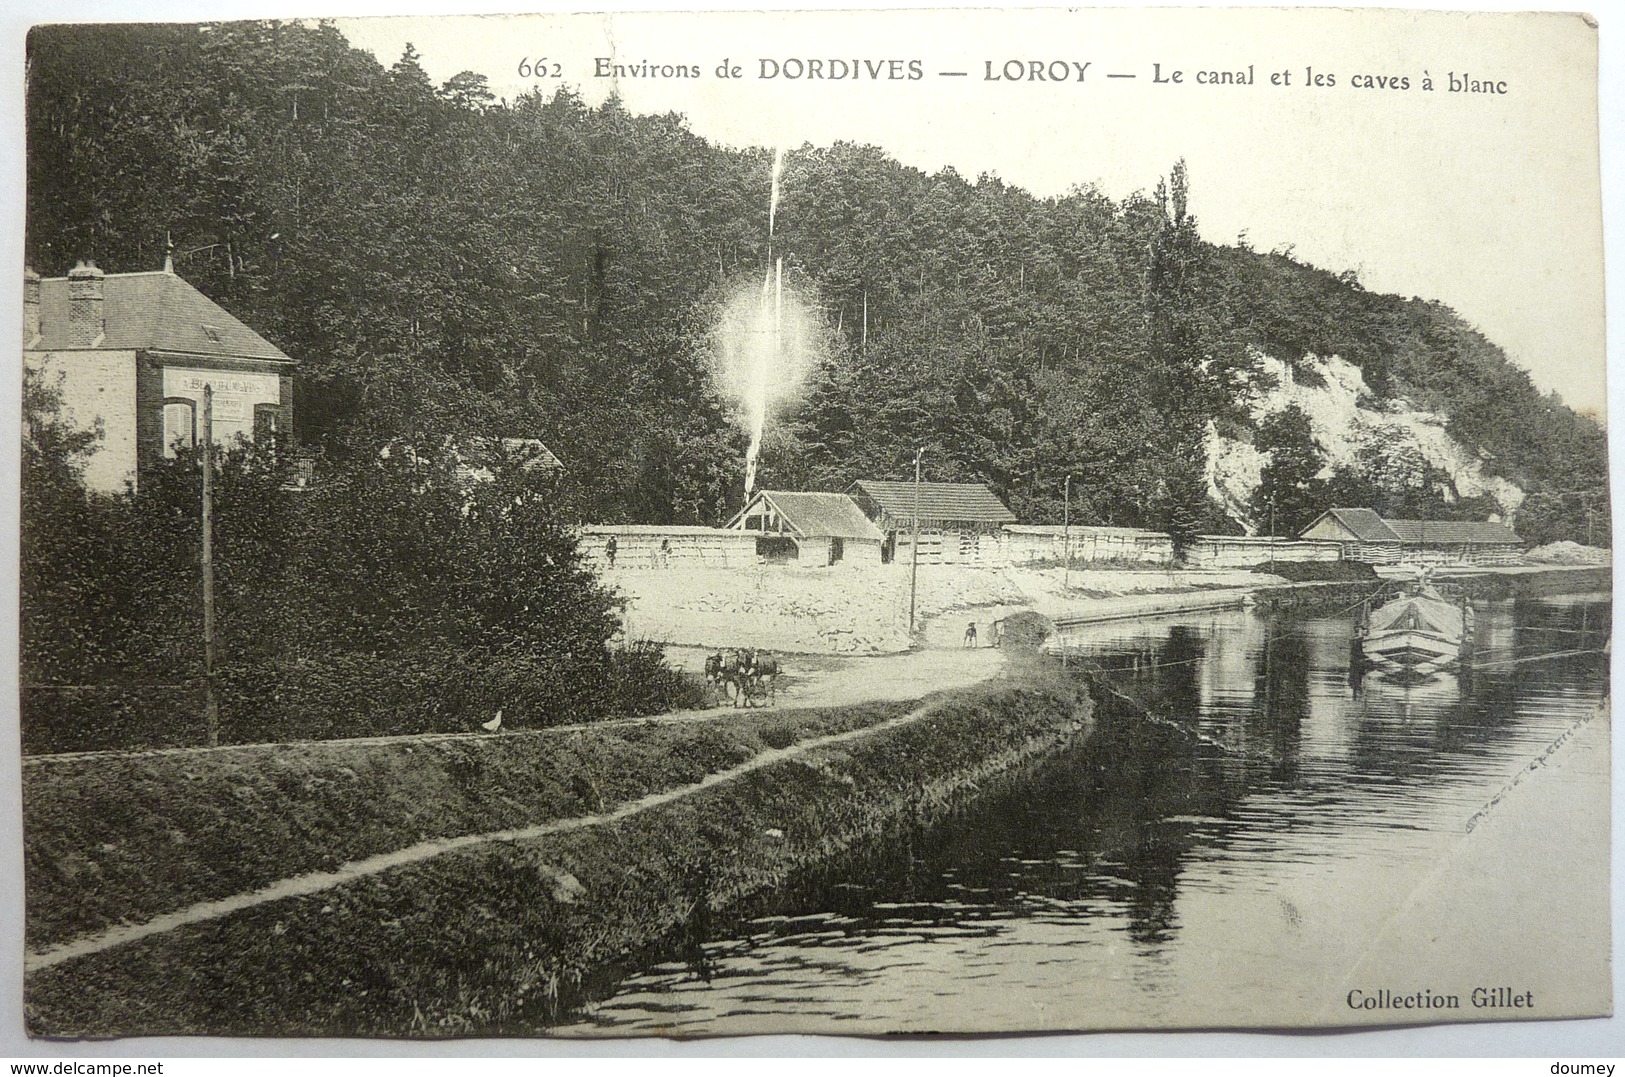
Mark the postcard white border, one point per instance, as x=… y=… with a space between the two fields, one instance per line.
x=1595 y=1038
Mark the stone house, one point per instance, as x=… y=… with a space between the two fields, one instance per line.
x=135 y=352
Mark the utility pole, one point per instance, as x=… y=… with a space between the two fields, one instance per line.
x=914 y=547
x=211 y=706
x=1272 y=534
x=1066 y=541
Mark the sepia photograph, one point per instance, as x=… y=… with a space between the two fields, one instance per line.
x=839 y=522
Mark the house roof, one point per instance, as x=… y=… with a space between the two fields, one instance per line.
x=815 y=515
x=1454 y=532
x=530 y=453
x=1363 y=524
x=156 y=311
x=969 y=501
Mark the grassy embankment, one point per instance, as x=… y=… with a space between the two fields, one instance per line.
x=1337 y=583
x=497 y=934
x=1536 y=581
x=116 y=838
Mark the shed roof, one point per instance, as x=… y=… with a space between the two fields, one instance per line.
x=1363 y=524
x=969 y=501
x=815 y=515
x=1454 y=532
x=156 y=311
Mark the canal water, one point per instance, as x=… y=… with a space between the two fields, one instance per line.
x=1228 y=850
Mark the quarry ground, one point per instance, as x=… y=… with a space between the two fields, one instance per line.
x=853 y=611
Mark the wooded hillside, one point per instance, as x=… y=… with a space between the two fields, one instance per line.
x=441 y=261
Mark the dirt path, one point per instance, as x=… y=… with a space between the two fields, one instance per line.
x=317 y=881
x=808 y=681
x=830 y=681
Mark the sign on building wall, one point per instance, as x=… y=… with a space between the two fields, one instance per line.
x=235 y=395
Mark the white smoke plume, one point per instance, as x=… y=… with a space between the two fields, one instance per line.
x=765 y=344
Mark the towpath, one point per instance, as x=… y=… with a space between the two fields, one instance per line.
x=808 y=681
x=816 y=681
x=318 y=881
x=836 y=681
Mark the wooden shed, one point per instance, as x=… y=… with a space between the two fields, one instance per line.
x=1470 y=542
x=1363 y=535
x=809 y=528
x=957 y=522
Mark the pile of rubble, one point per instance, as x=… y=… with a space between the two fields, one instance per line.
x=1568 y=553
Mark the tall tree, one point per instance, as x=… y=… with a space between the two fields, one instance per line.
x=1291 y=492
x=1176 y=370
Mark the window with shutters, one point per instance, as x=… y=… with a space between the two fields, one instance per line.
x=269 y=425
x=180 y=424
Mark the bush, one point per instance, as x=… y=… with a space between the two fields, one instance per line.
x=397 y=595
x=1026 y=628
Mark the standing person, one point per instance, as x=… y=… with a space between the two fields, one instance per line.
x=970 y=635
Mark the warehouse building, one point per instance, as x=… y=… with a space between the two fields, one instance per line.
x=957 y=522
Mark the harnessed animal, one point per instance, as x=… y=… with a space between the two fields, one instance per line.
x=746 y=673
x=767 y=672
x=735 y=675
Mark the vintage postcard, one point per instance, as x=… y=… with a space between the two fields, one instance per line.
x=842 y=522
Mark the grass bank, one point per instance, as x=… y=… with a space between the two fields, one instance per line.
x=1524 y=582
x=116 y=838
x=503 y=934
x=1532 y=582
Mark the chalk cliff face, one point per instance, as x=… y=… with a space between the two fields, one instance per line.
x=1353 y=429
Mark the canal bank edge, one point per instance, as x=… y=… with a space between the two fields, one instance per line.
x=499 y=936
x=121 y=838
x=1488 y=583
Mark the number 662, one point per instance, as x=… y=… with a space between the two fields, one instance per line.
x=540 y=69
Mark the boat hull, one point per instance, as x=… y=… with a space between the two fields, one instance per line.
x=1411 y=648
x=1416 y=633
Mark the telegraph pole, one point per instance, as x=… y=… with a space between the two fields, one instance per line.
x=1272 y=534
x=914 y=547
x=1066 y=541
x=211 y=706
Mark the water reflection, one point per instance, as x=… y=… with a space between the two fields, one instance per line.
x=1199 y=848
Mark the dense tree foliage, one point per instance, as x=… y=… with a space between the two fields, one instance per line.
x=440 y=261
x=398 y=595
x=1290 y=492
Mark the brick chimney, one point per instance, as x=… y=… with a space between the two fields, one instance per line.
x=30 y=306
x=86 y=322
